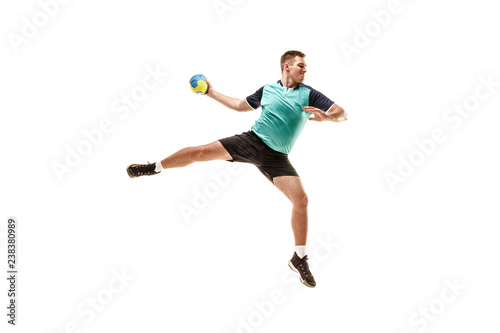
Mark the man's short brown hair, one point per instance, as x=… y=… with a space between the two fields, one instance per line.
x=289 y=56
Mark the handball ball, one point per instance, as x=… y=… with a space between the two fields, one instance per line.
x=199 y=84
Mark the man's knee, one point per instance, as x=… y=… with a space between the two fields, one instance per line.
x=304 y=200
x=201 y=153
x=301 y=200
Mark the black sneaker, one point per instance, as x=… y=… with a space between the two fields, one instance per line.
x=302 y=267
x=137 y=170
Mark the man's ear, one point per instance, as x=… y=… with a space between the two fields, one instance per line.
x=286 y=67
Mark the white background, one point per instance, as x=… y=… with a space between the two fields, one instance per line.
x=206 y=273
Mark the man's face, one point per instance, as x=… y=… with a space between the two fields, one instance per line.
x=298 y=69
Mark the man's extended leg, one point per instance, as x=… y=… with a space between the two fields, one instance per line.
x=293 y=189
x=210 y=152
x=184 y=157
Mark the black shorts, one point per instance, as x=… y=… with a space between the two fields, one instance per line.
x=247 y=147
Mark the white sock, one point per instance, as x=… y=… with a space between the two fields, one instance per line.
x=158 y=167
x=300 y=250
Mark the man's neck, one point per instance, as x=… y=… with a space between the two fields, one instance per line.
x=287 y=82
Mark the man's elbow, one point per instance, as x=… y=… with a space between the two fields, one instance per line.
x=243 y=106
x=338 y=114
x=343 y=115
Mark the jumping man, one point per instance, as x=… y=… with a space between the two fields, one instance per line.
x=286 y=107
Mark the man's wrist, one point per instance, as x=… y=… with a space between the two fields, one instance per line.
x=211 y=93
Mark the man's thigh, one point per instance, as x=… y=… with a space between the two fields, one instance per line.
x=214 y=151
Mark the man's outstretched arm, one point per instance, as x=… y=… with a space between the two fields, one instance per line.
x=236 y=104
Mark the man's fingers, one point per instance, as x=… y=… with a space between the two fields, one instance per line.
x=209 y=89
x=310 y=109
x=317 y=114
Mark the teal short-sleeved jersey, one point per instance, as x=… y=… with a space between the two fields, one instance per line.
x=282 y=118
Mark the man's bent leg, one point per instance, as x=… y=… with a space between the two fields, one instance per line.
x=293 y=189
x=210 y=152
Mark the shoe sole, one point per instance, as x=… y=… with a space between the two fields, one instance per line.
x=300 y=277
x=130 y=174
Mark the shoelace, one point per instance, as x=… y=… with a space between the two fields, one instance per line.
x=304 y=266
x=141 y=169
